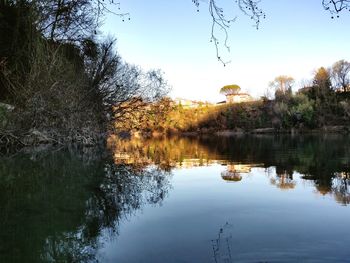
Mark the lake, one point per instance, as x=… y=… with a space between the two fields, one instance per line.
x=208 y=199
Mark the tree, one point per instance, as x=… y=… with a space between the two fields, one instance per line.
x=77 y=19
x=230 y=89
x=62 y=80
x=66 y=20
x=283 y=86
x=340 y=74
x=322 y=79
x=322 y=88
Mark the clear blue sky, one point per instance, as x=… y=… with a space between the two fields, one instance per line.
x=296 y=37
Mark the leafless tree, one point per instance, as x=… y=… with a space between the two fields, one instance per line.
x=73 y=20
x=119 y=86
x=340 y=74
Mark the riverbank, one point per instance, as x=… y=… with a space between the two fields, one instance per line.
x=35 y=138
x=303 y=112
x=339 y=129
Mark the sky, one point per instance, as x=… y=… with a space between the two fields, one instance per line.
x=295 y=39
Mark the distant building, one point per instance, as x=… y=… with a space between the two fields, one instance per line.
x=238 y=98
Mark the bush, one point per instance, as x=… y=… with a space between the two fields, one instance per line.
x=302 y=110
x=282 y=112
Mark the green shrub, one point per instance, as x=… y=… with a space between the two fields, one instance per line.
x=303 y=109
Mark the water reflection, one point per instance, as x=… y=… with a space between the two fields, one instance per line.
x=283 y=179
x=234 y=172
x=339 y=188
x=323 y=160
x=55 y=206
x=223 y=245
x=59 y=206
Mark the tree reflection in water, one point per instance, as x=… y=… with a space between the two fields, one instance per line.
x=56 y=205
x=234 y=172
x=323 y=160
x=223 y=245
x=283 y=179
x=340 y=188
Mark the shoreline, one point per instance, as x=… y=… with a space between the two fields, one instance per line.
x=37 y=140
x=336 y=129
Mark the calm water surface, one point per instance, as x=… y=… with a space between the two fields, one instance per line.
x=239 y=199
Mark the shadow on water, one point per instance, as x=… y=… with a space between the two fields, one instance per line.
x=55 y=206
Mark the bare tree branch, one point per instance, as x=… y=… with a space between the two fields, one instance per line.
x=336 y=6
x=220 y=23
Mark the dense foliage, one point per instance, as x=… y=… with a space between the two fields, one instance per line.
x=66 y=82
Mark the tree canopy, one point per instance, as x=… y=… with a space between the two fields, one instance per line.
x=282 y=83
x=322 y=78
x=340 y=74
x=283 y=86
x=230 y=89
